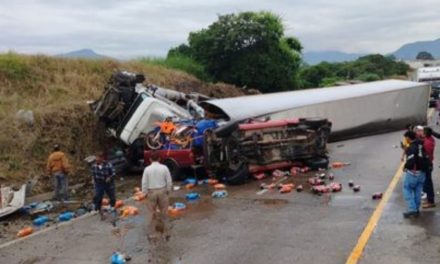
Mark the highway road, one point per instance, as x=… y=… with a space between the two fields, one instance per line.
x=270 y=228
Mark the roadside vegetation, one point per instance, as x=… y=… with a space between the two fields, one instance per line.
x=367 y=69
x=250 y=49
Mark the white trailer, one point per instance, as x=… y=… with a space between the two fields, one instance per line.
x=355 y=110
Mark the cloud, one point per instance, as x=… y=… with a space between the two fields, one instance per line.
x=133 y=28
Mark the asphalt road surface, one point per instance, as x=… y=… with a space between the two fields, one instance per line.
x=268 y=228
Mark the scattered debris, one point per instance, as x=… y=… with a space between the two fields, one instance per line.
x=129 y=211
x=67 y=216
x=190 y=181
x=41 y=220
x=119 y=204
x=377 y=196
x=338 y=164
x=335 y=187
x=176 y=188
x=105 y=202
x=139 y=196
x=212 y=181
x=321 y=176
x=331 y=176
x=294 y=171
x=315 y=181
x=25 y=231
x=117 y=258
x=300 y=188
x=219 y=186
x=11 y=201
x=259 y=176
x=190 y=186
x=278 y=173
x=351 y=184
x=319 y=189
x=286 y=188
x=192 y=196
x=219 y=194
x=356 y=188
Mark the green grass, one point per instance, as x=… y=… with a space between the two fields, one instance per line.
x=180 y=62
x=13 y=66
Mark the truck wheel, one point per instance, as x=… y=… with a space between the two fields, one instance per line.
x=317 y=163
x=174 y=169
x=152 y=139
x=239 y=176
x=315 y=122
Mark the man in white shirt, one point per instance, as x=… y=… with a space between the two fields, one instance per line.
x=156 y=185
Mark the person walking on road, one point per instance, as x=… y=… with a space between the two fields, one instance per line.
x=103 y=174
x=156 y=185
x=428 y=188
x=414 y=175
x=58 y=167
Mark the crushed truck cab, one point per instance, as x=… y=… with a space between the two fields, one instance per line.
x=236 y=150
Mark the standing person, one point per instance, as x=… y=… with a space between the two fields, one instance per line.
x=428 y=188
x=103 y=174
x=156 y=185
x=414 y=176
x=58 y=167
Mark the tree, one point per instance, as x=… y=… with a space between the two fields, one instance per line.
x=247 y=49
x=424 y=55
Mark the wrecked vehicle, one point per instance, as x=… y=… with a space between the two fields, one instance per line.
x=130 y=110
x=235 y=151
x=231 y=152
x=355 y=110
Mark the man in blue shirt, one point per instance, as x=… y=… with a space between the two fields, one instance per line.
x=103 y=174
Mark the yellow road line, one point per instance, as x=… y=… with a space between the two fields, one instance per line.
x=356 y=253
x=374 y=219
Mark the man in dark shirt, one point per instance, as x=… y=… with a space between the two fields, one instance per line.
x=414 y=176
x=103 y=174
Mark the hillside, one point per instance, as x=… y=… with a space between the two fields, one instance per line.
x=56 y=90
x=409 y=51
x=83 y=54
x=315 y=57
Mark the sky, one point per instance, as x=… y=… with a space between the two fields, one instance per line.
x=134 y=28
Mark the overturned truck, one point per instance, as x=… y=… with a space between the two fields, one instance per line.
x=260 y=132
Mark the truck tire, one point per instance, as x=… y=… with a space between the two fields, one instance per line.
x=151 y=142
x=315 y=122
x=226 y=130
x=239 y=176
x=174 y=168
x=318 y=163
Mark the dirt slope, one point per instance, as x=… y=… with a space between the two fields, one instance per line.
x=56 y=91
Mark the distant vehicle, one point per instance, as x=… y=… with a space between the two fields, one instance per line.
x=427 y=74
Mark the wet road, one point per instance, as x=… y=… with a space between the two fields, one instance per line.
x=269 y=228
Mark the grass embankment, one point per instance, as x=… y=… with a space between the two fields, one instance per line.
x=56 y=90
